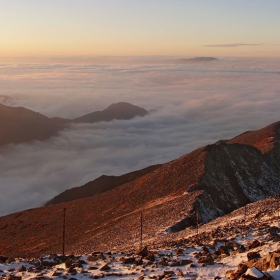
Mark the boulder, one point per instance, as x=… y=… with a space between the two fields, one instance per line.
x=105 y=267
x=21 y=268
x=127 y=260
x=3 y=259
x=256 y=243
x=206 y=260
x=143 y=252
x=254 y=274
x=253 y=255
x=235 y=274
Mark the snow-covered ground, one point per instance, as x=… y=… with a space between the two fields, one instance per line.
x=220 y=247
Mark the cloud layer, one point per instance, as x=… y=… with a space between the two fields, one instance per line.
x=191 y=106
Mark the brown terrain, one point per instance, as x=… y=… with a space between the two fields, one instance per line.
x=102 y=184
x=18 y=124
x=212 y=181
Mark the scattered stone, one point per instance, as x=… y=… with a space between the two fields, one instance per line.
x=13 y=277
x=21 y=268
x=151 y=257
x=127 y=260
x=143 y=252
x=92 y=268
x=270 y=261
x=235 y=274
x=253 y=255
x=256 y=243
x=180 y=273
x=206 y=260
x=255 y=274
x=3 y=259
x=179 y=252
x=205 y=250
x=92 y=258
x=56 y=273
x=169 y=272
x=105 y=267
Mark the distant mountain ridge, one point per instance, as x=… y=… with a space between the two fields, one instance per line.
x=18 y=124
x=101 y=184
x=198 y=59
x=210 y=181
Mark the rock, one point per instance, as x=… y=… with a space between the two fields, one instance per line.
x=21 y=268
x=3 y=259
x=139 y=261
x=56 y=273
x=181 y=262
x=180 y=273
x=127 y=260
x=105 y=267
x=92 y=258
x=235 y=274
x=163 y=261
x=256 y=243
x=143 y=252
x=13 y=277
x=253 y=255
x=169 y=273
x=150 y=257
x=179 y=252
x=68 y=263
x=48 y=263
x=11 y=269
x=255 y=274
x=205 y=250
x=92 y=268
x=223 y=250
x=270 y=261
x=207 y=260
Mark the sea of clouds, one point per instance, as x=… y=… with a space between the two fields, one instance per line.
x=190 y=105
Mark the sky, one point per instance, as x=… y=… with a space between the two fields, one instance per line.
x=140 y=28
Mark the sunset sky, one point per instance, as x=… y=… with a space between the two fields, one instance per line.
x=140 y=27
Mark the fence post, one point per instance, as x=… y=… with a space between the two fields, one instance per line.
x=63 y=233
x=141 y=230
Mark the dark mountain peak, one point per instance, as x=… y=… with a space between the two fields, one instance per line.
x=197 y=59
x=19 y=124
x=116 y=111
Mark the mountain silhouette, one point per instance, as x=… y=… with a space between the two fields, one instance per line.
x=116 y=111
x=18 y=124
x=102 y=184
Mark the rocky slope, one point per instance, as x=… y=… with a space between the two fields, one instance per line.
x=236 y=246
x=18 y=124
x=210 y=181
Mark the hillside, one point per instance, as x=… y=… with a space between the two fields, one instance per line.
x=102 y=184
x=235 y=246
x=212 y=181
x=18 y=124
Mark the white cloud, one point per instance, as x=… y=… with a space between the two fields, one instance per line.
x=191 y=105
